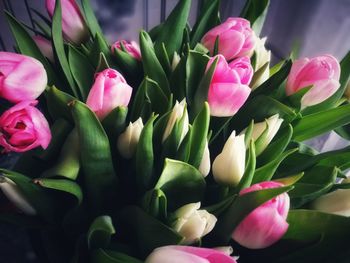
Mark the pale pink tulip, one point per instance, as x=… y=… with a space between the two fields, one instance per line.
x=322 y=72
x=23 y=127
x=229 y=86
x=132 y=48
x=109 y=91
x=21 y=77
x=185 y=254
x=74 y=27
x=236 y=38
x=266 y=224
x=45 y=47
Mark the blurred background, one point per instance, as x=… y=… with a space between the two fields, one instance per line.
x=316 y=26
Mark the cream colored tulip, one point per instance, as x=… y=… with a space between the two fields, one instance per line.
x=204 y=167
x=229 y=165
x=176 y=60
x=337 y=202
x=192 y=223
x=129 y=139
x=262 y=62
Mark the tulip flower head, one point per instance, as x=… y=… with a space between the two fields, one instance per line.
x=262 y=62
x=185 y=254
x=193 y=223
x=128 y=140
x=109 y=91
x=74 y=27
x=336 y=202
x=204 y=166
x=23 y=127
x=236 y=38
x=229 y=88
x=45 y=47
x=21 y=77
x=132 y=48
x=266 y=224
x=322 y=73
x=229 y=165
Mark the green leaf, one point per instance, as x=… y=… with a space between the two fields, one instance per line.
x=207 y=19
x=114 y=124
x=62 y=185
x=110 y=256
x=199 y=136
x=130 y=66
x=239 y=209
x=154 y=203
x=145 y=157
x=57 y=103
x=151 y=64
x=179 y=175
x=171 y=32
x=100 y=46
x=27 y=46
x=100 y=232
x=290 y=180
x=255 y=11
x=58 y=43
x=90 y=18
x=249 y=172
x=82 y=71
x=266 y=172
x=144 y=232
x=318 y=123
x=95 y=155
x=68 y=164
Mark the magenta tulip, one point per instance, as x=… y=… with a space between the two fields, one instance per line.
x=132 y=48
x=74 y=27
x=45 y=47
x=109 y=91
x=236 y=38
x=23 y=127
x=229 y=86
x=21 y=77
x=321 y=72
x=184 y=254
x=266 y=224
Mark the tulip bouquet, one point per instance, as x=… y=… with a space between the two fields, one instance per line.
x=188 y=148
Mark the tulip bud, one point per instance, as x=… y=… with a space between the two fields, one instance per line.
x=74 y=27
x=179 y=111
x=23 y=127
x=264 y=132
x=229 y=88
x=192 y=223
x=229 y=165
x=322 y=73
x=128 y=140
x=176 y=60
x=13 y=193
x=21 y=77
x=236 y=38
x=336 y=202
x=262 y=62
x=45 y=47
x=204 y=166
x=267 y=223
x=186 y=254
x=109 y=91
x=132 y=48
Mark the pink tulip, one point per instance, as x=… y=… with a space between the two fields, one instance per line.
x=74 y=27
x=184 y=254
x=21 y=77
x=45 y=47
x=229 y=86
x=266 y=224
x=23 y=127
x=132 y=48
x=322 y=72
x=109 y=91
x=236 y=38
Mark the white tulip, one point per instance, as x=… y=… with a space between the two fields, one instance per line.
x=176 y=60
x=262 y=62
x=337 y=202
x=229 y=165
x=192 y=223
x=177 y=113
x=129 y=139
x=13 y=193
x=204 y=167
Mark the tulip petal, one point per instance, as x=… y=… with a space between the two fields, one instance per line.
x=321 y=91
